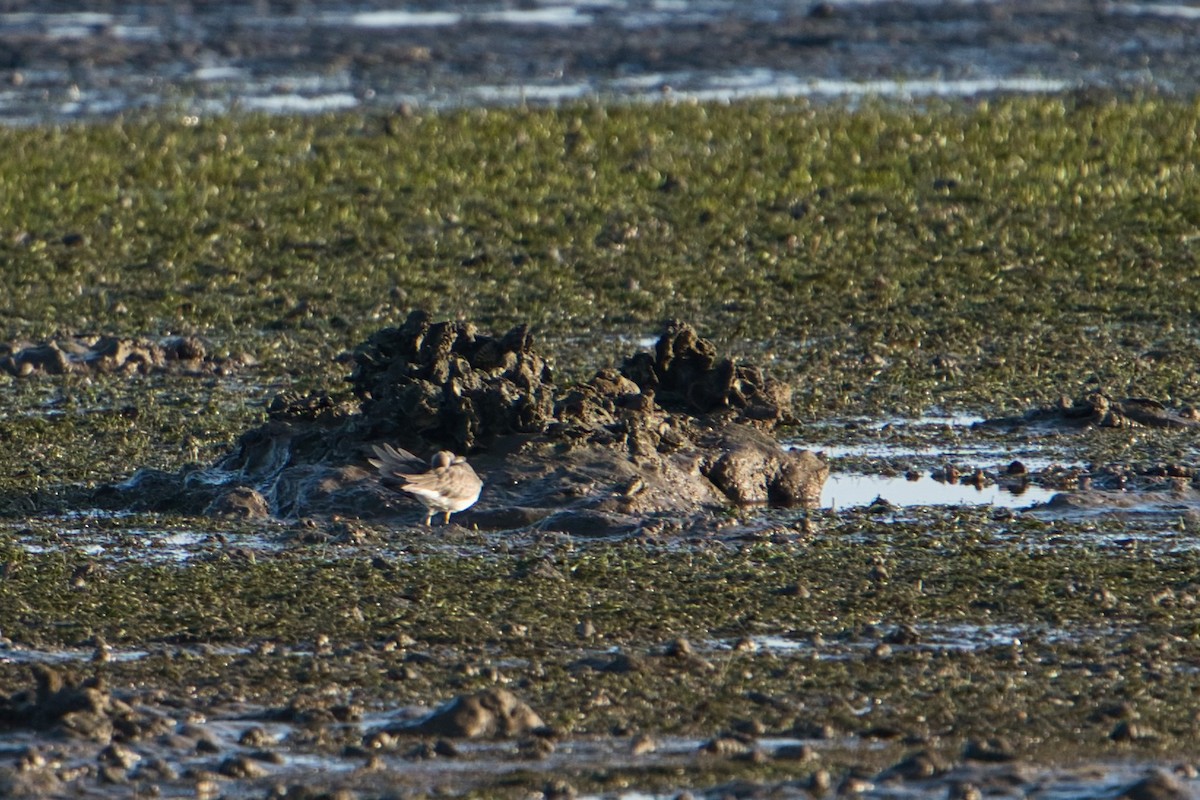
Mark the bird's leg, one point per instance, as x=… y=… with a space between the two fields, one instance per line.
x=428 y=517
x=447 y=520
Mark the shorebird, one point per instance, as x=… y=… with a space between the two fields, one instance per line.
x=447 y=484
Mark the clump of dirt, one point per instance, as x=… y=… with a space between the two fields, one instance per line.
x=446 y=384
x=681 y=432
x=686 y=375
x=110 y=354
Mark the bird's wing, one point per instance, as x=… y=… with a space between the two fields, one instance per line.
x=436 y=481
x=396 y=462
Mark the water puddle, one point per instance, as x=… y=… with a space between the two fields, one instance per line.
x=955 y=637
x=115 y=538
x=848 y=490
x=759 y=84
x=1179 y=507
x=1168 y=10
x=16 y=654
x=930 y=460
x=394 y=19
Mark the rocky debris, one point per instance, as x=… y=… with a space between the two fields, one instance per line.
x=726 y=747
x=240 y=502
x=84 y=711
x=189 y=355
x=675 y=435
x=750 y=474
x=491 y=713
x=615 y=663
x=1097 y=409
x=1165 y=490
x=995 y=751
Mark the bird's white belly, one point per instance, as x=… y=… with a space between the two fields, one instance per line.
x=441 y=502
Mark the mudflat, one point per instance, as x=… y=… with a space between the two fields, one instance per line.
x=907 y=273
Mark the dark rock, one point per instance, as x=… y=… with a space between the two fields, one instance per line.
x=314 y=407
x=492 y=713
x=558 y=789
x=616 y=663
x=256 y=736
x=239 y=501
x=686 y=374
x=725 y=746
x=119 y=756
x=241 y=767
x=996 y=751
x=904 y=634
x=82 y=711
x=1130 y=731
x=1158 y=785
x=450 y=385
x=918 y=766
x=795 y=752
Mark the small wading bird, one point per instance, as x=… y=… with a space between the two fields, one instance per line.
x=447 y=484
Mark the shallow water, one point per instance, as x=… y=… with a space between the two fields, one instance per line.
x=926 y=637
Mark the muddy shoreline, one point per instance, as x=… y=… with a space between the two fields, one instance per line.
x=61 y=64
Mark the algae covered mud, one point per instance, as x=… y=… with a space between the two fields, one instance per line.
x=916 y=290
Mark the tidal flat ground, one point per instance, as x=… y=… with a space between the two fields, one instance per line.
x=894 y=264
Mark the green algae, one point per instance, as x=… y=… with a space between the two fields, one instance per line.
x=955 y=254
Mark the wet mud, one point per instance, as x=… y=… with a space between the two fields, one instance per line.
x=633 y=629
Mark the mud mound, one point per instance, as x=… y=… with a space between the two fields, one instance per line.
x=450 y=385
x=682 y=432
x=686 y=374
x=491 y=713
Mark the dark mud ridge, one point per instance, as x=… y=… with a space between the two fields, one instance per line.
x=1097 y=409
x=666 y=440
x=1166 y=488
x=188 y=355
